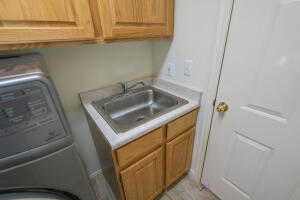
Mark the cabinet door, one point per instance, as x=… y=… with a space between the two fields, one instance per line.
x=135 y=19
x=23 y=21
x=144 y=179
x=178 y=156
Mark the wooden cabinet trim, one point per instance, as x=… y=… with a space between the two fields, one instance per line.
x=170 y=18
x=118 y=175
x=70 y=43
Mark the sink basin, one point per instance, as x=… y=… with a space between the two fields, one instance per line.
x=126 y=111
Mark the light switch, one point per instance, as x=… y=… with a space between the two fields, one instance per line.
x=171 y=69
x=188 y=66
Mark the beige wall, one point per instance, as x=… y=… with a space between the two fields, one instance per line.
x=194 y=38
x=81 y=68
x=196 y=24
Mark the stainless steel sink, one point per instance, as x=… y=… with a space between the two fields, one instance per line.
x=126 y=111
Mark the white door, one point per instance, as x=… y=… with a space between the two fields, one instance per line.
x=254 y=147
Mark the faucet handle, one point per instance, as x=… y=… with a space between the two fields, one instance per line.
x=135 y=84
x=141 y=82
x=123 y=86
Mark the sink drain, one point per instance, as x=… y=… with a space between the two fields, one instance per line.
x=139 y=118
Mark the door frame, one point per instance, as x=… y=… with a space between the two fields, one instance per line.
x=210 y=95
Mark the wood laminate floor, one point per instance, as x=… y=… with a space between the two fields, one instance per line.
x=184 y=189
x=187 y=189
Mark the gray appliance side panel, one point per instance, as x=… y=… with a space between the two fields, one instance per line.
x=104 y=152
x=62 y=170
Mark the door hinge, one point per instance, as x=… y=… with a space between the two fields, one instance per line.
x=214 y=102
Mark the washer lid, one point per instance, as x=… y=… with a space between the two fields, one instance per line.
x=32 y=196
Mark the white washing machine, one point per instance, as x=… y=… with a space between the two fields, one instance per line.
x=38 y=159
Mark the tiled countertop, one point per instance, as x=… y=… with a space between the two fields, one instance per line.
x=117 y=140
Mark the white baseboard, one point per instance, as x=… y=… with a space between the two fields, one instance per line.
x=101 y=187
x=95 y=173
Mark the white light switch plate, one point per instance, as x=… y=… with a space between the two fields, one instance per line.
x=188 y=66
x=171 y=69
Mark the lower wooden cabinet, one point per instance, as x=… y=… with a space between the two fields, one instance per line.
x=144 y=179
x=178 y=156
x=148 y=165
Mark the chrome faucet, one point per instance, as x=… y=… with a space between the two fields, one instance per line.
x=126 y=88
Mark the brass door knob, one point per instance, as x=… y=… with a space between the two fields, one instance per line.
x=222 y=107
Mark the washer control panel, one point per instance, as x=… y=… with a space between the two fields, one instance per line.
x=28 y=118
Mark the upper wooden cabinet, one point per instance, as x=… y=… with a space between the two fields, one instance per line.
x=26 y=21
x=43 y=23
x=122 y=19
